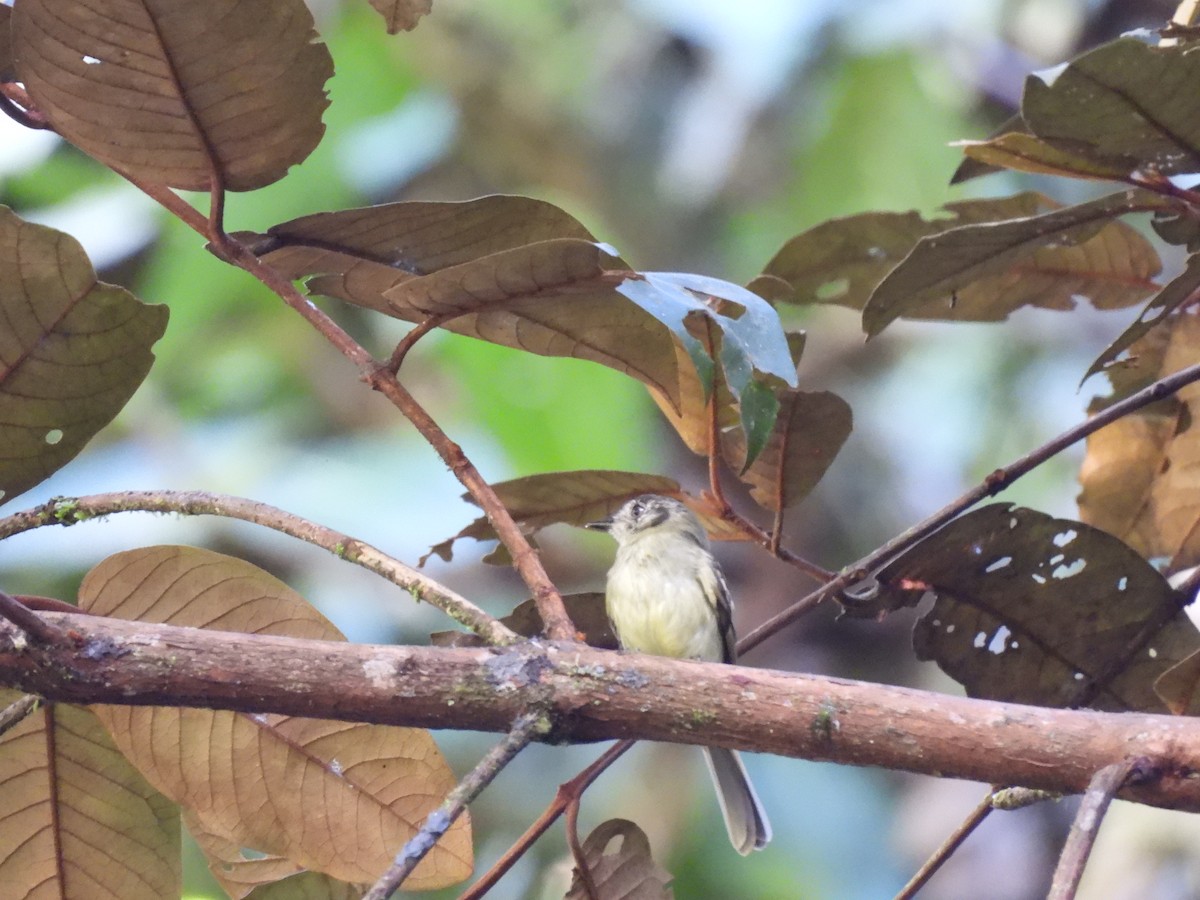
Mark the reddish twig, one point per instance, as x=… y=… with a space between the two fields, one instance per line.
x=525 y=559
x=581 y=863
x=566 y=793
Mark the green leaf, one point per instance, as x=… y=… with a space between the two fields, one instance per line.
x=1043 y=260
x=752 y=344
x=72 y=351
x=1125 y=104
x=1033 y=609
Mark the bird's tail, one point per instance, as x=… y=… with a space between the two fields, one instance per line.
x=744 y=817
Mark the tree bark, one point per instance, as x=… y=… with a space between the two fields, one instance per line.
x=588 y=695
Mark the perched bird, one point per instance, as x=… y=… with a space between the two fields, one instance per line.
x=666 y=596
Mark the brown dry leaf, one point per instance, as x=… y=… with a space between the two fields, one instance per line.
x=333 y=797
x=510 y=270
x=983 y=271
x=1141 y=475
x=264 y=877
x=169 y=92
x=72 y=351
x=808 y=433
x=402 y=15
x=844 y=261
x=1033 y=609
x=692 y=419
x=77 y=819
x=629 y=872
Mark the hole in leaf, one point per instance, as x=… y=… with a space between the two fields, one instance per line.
x=1065 y=537
x=1070 y=569
x=91 y=61
x=53 y=436
x=1040 y=579
x=981 y=640
x=997 y=644
x=1122 y=583
x=1153 y=653
x=831 y=290
x=1001 y=563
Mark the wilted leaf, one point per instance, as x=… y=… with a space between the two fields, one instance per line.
x=1033 y=609
x=1124 y=104
x=629 y=872
x=72 y=351
x=843 y=261
x=169 y=91
x=402 y=15
x=1027 y=153
x=1040 y=260
x=77 y=819
x=1185 y=288
x=586 y=611
x=333 y=797
x=809 y=432
x=1141 y=474
x=264 y=877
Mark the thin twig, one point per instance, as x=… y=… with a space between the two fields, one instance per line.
x=990 y=486
x=71 y=510
x=15 y=712
x=525 y=559
x=34 y=626
x=581 y=864
x=1075 y=852
x=565 y=794
x=947 y=849
x=438 y=822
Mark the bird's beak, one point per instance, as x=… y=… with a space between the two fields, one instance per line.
x=600 y=525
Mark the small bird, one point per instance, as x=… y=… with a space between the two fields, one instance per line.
x=666 y=596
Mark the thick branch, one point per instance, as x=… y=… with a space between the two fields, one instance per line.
x=591 y=694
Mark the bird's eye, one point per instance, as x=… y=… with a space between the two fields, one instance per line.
x=637 y=507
